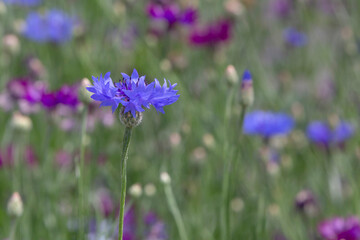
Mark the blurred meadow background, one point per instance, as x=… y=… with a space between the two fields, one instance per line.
x=289 y=176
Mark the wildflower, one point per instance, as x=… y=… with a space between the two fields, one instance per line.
x=294 y=38
x=267 y=124
x=247 y=90
x=305 y=202
x=212 y=34
x=321 y=134
x=135 y=190
x=281 y=8
x=15 y=205
x=231 y=75
x=171 y=14
x=26 y=3
x=339 y=228
x=54 y=26
x=155 y=228
x=132 y=93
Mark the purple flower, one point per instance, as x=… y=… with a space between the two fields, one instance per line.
x=267 y=124
x=295 y=38
x=339 y=228
x=24 y=88
x=211 y=34
x=132 y=93
x=321 y=134
x=54 y=26
x=156 y=229
x=171 y=14
x=281 y=8
x=26 y=3
x=306 y=203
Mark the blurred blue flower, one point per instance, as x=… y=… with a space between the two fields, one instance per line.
x=54 y=26
x=321 y=133
x=295 y=38
x=246 y=76
x=27 y=3
x=267 y=124
x=133 y=93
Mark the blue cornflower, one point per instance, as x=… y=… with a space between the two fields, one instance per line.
x=321 y=133
x=54 y=26
x=132 y=93
x=26 y=3
x=246 y=76
x=294 y=37
x=267 y=124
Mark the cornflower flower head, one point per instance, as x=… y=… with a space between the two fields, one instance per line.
x=25 y=3
x=295 y=38
x=132 y=93
x=321 y=133
x=171 y=14
x=53 y=26
x=267 y=124
x=212 y=34
x=339 y=228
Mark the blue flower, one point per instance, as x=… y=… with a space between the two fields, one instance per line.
x=295 y=38
x=27 y=3
x=54 y=26
x=320 y=133
x=132 y=93
x=267 y=124
x=246 y=76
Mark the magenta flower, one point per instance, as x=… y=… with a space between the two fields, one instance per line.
x=171 y=14
x=339 y=228
x=212 y=34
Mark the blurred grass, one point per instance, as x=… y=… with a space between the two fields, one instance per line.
x=282 y=77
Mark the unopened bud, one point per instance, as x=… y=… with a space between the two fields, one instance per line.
x=128 y=120
x=21 y=122
x=150 y=189
x=165 y=178
x=11 y=43
x=135 y=190
x=231 y=75
x=84 y=94
x=15 y=205
x=247 y=90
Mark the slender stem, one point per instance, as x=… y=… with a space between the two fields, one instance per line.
x=175 y=211
x=80 y=176
x=124 y=156
x=225 y=216
x=12 y=230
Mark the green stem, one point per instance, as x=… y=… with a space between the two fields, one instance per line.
x=175 y=211
x=124 y=156
x=225 y=208
x=80 y=176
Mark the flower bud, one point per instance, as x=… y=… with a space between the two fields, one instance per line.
x=231 y=75
x=135 y=190
x=128 y=120
x=85 y=95
x=11 y=43
x=305 y=203
x=165 y=178
x=247 y=91
x=15 y=205
x=21 y=122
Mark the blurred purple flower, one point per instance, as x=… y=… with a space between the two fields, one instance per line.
x=306 y=203
x=63 y=159
x=24 y=88
x=54 y=26
x=105 y=202
x=68 y=95
x=281 y=8
x=212 y=34
x=171 y=13
x=26 y=3
x=155 y=228
x=339 y=228
x=321 y=134
x=267 y=124
x=30 y=157
x=295 y=38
